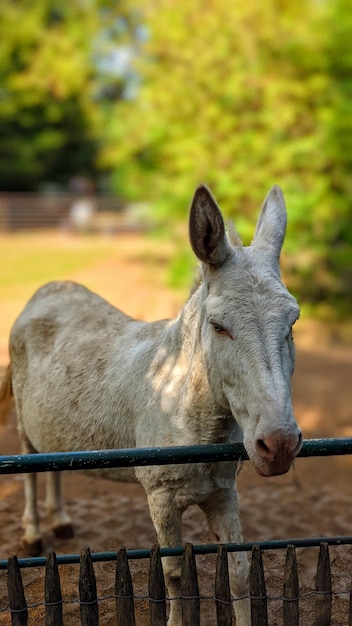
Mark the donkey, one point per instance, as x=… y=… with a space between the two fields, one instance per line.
x=86 y=376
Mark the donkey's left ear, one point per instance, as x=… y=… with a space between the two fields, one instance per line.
x=271 y=226
x=207 y=230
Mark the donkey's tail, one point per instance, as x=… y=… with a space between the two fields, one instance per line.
x=6 y=395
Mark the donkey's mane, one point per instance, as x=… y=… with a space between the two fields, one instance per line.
x=234 y=237
x=197 y=281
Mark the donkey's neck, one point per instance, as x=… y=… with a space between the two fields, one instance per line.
x=207 y=421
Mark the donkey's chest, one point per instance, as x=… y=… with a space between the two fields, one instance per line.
x=211 y=428
x=221 y=429
x=190 y=483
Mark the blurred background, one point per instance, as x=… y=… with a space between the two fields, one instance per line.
x=111 y=113
x=110 y=107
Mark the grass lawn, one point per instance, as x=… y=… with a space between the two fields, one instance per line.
x=29 y=260
x=146 y=277
x=130 y=271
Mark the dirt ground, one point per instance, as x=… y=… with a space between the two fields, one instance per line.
x=313 y=499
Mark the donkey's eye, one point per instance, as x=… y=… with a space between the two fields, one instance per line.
x=289 y=336
x=220 y=330
x=290 y=345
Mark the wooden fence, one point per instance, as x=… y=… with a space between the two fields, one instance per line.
x=190 y=597
x=31 y=211
x=125 y=599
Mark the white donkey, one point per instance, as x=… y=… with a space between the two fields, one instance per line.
x=86 y=376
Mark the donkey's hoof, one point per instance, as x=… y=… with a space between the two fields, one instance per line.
x=32 y=548
x=64 y=531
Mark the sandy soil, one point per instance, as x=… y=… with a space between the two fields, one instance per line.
x=312 y=500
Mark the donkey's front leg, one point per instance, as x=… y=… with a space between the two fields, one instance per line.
x=221 y=509
x=167 y=519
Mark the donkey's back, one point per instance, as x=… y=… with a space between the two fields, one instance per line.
x=71 y=352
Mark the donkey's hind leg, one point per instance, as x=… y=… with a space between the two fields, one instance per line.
x=60 y=522
x=32 y=537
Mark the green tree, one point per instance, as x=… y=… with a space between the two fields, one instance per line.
x=52 y=82
x=226 y=96
x=241 y=96
x=336 y=203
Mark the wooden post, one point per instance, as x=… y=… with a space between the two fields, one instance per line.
x=222 y=589
x=350 y=611
x=124 y=591
x=259 y=609
x=189 y=589
x=17 y=600
x=88 y=591
x=157 y=595
x=291 y=589
x=53 y=597
x=323 y=598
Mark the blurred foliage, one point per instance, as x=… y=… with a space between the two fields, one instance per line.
x=239 y=95
x=51 y=110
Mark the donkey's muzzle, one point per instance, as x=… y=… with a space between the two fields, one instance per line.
x=276 y=451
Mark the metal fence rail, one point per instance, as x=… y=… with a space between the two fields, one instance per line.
x=135 y=457
x=53 y=603
x=211 y=548
x=90 y=460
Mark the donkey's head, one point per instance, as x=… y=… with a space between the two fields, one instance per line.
x=246 y=328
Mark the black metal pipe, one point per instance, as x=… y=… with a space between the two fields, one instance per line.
x=133 y=457
x=277 y=544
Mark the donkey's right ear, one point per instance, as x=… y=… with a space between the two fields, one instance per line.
x=207 y=229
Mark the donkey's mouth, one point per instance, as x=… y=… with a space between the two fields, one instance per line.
x=273 y=469
x=274 y=454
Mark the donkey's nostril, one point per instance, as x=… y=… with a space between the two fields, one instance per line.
x=262 y=448
x=278 y=446
x=299 y=443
